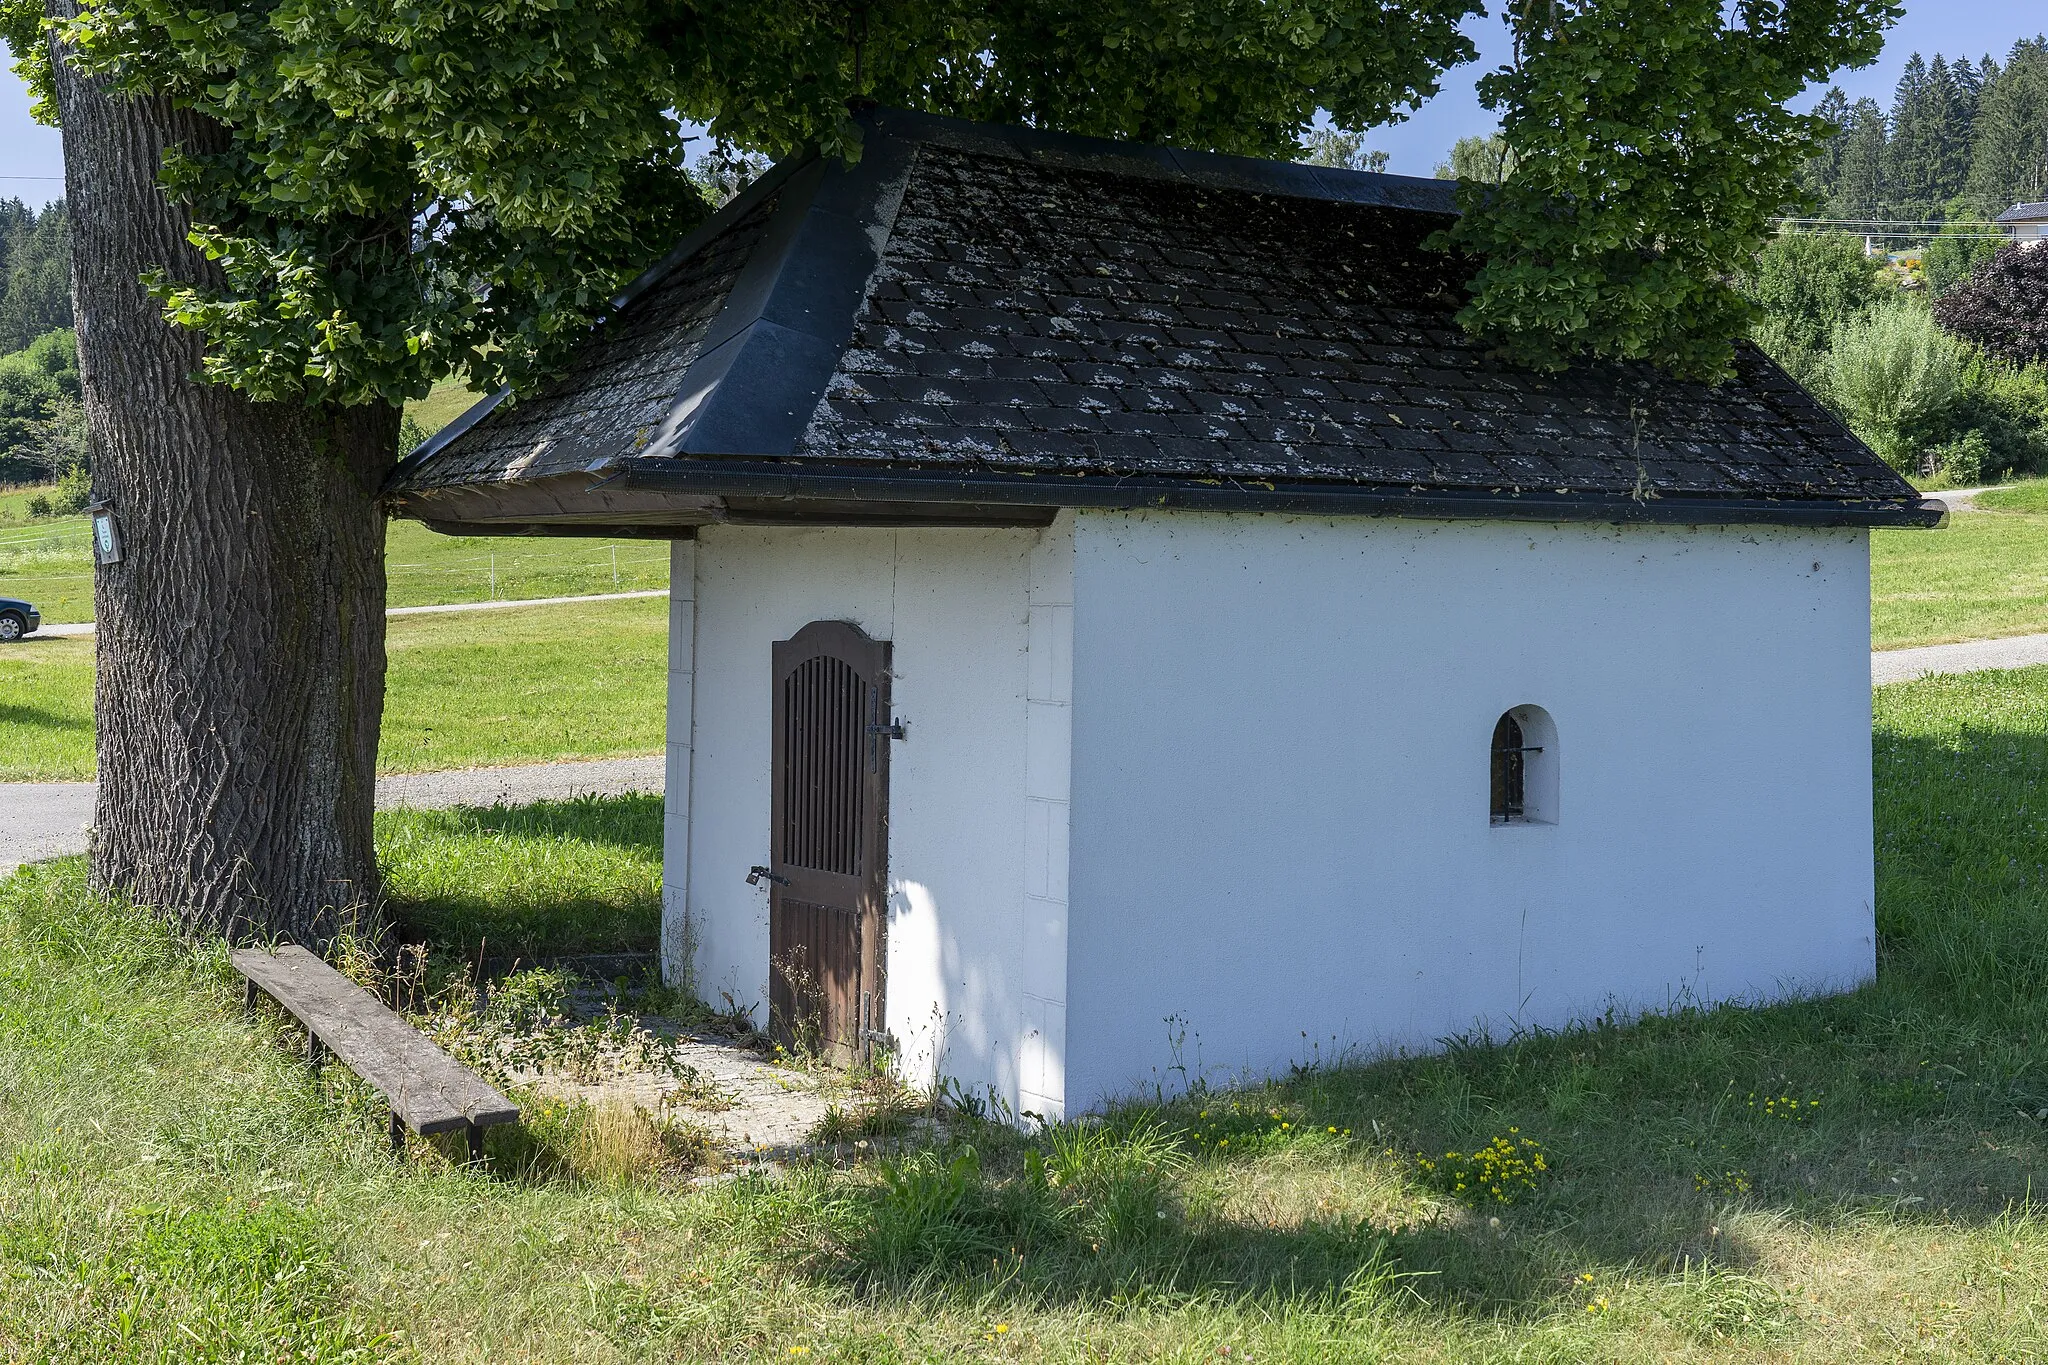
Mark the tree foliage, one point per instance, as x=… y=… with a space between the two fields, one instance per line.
x=1961 y=140
x=1654 y=147
x=1805 y=286
x=2003 y=305
x=1484 y=160
x=35 y=273
x=1341 y=149
x=1894 y=372
x=2009 y=142
x=411 y=192
x=39 y=407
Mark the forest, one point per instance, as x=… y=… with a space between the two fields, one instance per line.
x=1962 y=141
x=42 y=430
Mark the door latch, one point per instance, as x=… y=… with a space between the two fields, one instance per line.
x=891 y=730
x=758 y=874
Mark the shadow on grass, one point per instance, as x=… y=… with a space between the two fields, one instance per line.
x=631 y=820
x=546 y=880
x=36 y=717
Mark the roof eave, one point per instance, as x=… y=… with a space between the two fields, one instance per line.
x=836 y=482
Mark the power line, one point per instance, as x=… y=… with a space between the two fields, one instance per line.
x=1925 y=224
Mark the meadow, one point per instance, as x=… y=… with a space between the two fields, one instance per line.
x=49 y=562
x=468 y=689
x=1984 y=575
x=1839 y=1179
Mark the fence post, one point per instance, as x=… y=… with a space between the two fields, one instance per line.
x=615 y=568
x=494 y=578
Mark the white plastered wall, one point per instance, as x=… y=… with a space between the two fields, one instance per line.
x=979 y=622
x=1280 y=838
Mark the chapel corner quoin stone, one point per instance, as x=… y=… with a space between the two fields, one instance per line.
x=1100 y=576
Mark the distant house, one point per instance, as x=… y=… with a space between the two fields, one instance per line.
x=1123 y=629
x=2026 y=222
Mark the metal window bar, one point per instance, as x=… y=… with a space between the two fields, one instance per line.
x=1510 y=771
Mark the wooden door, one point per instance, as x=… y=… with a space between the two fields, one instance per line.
x=830 y=834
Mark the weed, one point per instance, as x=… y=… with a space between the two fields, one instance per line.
x=1505 y=1170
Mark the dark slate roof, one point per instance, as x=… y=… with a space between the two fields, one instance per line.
x=974 y=321
x=2024 y=213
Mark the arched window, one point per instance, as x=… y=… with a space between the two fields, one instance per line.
x=1523 y=789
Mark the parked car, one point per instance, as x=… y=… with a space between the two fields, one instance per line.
x=17 y=618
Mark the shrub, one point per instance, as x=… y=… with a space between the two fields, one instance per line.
x=2008 y=406
x=1965 y=460
x=2003 y=305
x=1893 y=375
x=1951 y=257
x=1808 y=285
x=73 y=492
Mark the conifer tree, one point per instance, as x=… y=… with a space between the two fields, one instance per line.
x=2009 y=152
x=1860 y=185
x=1950 y=110
x=1824 y=170
x=1909 y=145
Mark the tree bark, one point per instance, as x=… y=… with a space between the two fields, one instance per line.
x=241 y=636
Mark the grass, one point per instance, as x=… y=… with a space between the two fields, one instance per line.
x=520 y=685
x=46 y=724
x=1842 y=1179
x=449 y=400
x=426 y=568
x=526 y=685
x=14 y=500
x=49 y=562
x=1984 y=575
x=2028 y=495
x=551 y=878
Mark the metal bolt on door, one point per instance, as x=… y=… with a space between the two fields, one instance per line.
x=829 y=822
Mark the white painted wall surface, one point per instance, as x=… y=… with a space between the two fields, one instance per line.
x=964 y=610
x=675 y=813
x=1280 y=831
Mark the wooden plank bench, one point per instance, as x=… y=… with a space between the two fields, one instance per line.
x=429 y=1091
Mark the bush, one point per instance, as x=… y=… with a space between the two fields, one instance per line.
x=1893 y=376
x=1965 y=460
x=1950 y=258
x=2003 y=305
x=73 y=493
x=1808 y=285
x=2008 y=406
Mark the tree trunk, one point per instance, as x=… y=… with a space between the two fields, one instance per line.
x=241 y=636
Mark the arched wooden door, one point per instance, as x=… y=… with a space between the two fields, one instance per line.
x=830 y=823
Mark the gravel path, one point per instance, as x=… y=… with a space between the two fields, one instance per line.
x=1965 y=499
x=49 y=819
x=1969 y=656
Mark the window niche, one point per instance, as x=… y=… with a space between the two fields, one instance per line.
x=1524 y=768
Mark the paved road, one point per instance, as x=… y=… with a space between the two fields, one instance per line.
x=49 y=819
x=86 y=627
x=1965 y=499
x=1970 y=656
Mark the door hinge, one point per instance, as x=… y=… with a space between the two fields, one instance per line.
x=894 y=729
x=758 y=874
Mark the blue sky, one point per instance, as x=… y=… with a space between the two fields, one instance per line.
x=31 y=163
